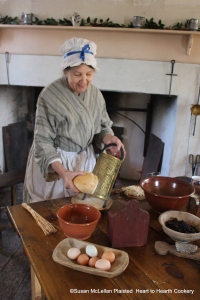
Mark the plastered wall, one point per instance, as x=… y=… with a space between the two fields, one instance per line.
x=119 y=11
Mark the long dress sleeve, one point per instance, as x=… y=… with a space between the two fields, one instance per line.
x=44 y=136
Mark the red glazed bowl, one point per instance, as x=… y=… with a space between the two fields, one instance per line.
x=78 y=220
x=166 y=193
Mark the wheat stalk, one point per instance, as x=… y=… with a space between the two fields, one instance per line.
x=44 y=224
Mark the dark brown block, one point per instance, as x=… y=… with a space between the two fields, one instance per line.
x=128 y=227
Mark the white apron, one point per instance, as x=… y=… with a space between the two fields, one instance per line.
x=37 y=189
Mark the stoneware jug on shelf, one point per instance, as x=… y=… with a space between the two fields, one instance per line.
x=76 y=19
x=106 y=169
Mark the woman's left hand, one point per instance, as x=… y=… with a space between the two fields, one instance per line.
x=115 y=150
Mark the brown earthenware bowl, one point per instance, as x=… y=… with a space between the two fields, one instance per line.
x=166 y=193
x=78 y=220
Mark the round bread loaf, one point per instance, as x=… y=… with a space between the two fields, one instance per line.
x=86 y=183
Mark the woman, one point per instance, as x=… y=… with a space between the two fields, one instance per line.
x=71 y=113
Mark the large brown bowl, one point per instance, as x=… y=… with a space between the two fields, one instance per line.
x=78 y=220
x=166 y=193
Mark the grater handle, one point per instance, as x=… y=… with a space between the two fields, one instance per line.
x=113 y=144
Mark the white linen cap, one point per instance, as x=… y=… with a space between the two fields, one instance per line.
x=77 y=51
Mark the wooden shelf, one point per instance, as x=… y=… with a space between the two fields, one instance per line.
x=132 y=43
x=90 y=28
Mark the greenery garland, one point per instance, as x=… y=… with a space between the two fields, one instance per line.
x=149 y=24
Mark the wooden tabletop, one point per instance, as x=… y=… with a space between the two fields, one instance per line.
x=148 y=275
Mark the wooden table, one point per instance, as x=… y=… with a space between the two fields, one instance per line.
x=148 y=275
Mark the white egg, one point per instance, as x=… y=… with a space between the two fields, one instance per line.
x=73 y=253
x=91 y=250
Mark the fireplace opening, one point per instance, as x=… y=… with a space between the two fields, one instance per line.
x=141 y=115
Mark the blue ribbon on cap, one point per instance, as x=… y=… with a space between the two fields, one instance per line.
x=84 y=50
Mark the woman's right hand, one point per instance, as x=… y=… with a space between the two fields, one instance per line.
x=66 y=175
